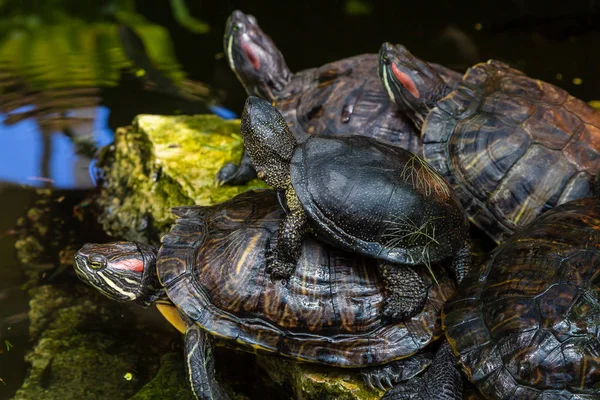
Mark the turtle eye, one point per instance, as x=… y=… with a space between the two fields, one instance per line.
x=236 y=27
x=97 y=262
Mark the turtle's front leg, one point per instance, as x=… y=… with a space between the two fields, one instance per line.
x=442 y=381
x=385 y=376
x=200 y=365
x=289 y=239
x=233 y=175
x=405 y=292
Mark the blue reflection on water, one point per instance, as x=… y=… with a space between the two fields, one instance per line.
x=21 y=152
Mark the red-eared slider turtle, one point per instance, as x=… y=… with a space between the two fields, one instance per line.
x=343 y=97
x=211 y=269
x=527 y=324
x=361 y=195
x=512 y=147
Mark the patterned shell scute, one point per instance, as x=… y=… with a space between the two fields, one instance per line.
x=346 y=97
x=512 y=147
x=329 y=312
x=527 y=324
x=376 y=199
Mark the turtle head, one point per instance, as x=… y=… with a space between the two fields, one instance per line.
x=410 y=82
x=252 y=55
x=269 y=141
x=122 y=271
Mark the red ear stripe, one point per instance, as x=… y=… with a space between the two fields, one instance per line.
x=251 y=56
x=406 y=81
x=129 y=265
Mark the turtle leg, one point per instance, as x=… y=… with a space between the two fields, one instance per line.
x=462 y=261
x=405 y=291
x=442 y=381
x=386 y=376
x=232 y=174
x=200 y=365
x=289 y=238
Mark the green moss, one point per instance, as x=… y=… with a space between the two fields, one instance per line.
x=161 y=162
x=317 y=382
x=85 y=345
x=168 y=382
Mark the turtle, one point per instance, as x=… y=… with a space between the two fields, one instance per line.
x=362 y=195
x=341 y=97
x=511 y=146
x=526 y=325
x=209 y=280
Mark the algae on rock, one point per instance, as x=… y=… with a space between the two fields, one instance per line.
x=164 y=161
x=84 y=346
x=317 y=382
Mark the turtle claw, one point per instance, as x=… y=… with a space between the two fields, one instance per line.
x=388 y=382
x=373 y=379
x=384 y=377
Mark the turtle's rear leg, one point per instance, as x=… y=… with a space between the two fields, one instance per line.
x=385 y=376
x=200 y=365
x=461 y=264
x=442 y=381
x=405 y=292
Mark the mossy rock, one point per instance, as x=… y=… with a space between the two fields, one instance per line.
x=87 y=347
x=317 y=382
x=163 y=161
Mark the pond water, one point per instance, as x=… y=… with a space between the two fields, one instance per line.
x=71 y=73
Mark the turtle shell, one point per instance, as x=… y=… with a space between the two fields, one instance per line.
x=212 y=265
x=512 y=147
x=346 y=97
x=382 y=201
x=527 y=324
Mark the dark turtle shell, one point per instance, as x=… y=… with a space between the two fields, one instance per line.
x=212 y=265
x=527 y=325
x=512 y=147
x=339 y=98
x=346 y=97
x=379 y=200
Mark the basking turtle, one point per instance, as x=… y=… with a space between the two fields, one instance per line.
x=361 y=195
x=527 y=325
x=209 y=280
x=343 y=97
x=511 y=146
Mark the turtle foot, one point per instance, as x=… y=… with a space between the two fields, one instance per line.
x=280 y=270
x=234 y=175
x=386 y=376
x=405 y=291
x=442 y=381
x=399 y=309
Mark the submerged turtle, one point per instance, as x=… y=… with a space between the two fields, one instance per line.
x=527 y=325
x=361 y=195
x=209 y=280
x=342 y=97
x=511 y=146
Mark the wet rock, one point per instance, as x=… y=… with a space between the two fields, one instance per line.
x=314 y=382
x=83 y=346
x=88 y=348
x=161 y=162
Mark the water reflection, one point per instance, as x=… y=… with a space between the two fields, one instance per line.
x=37 y=154
x=54 y=63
